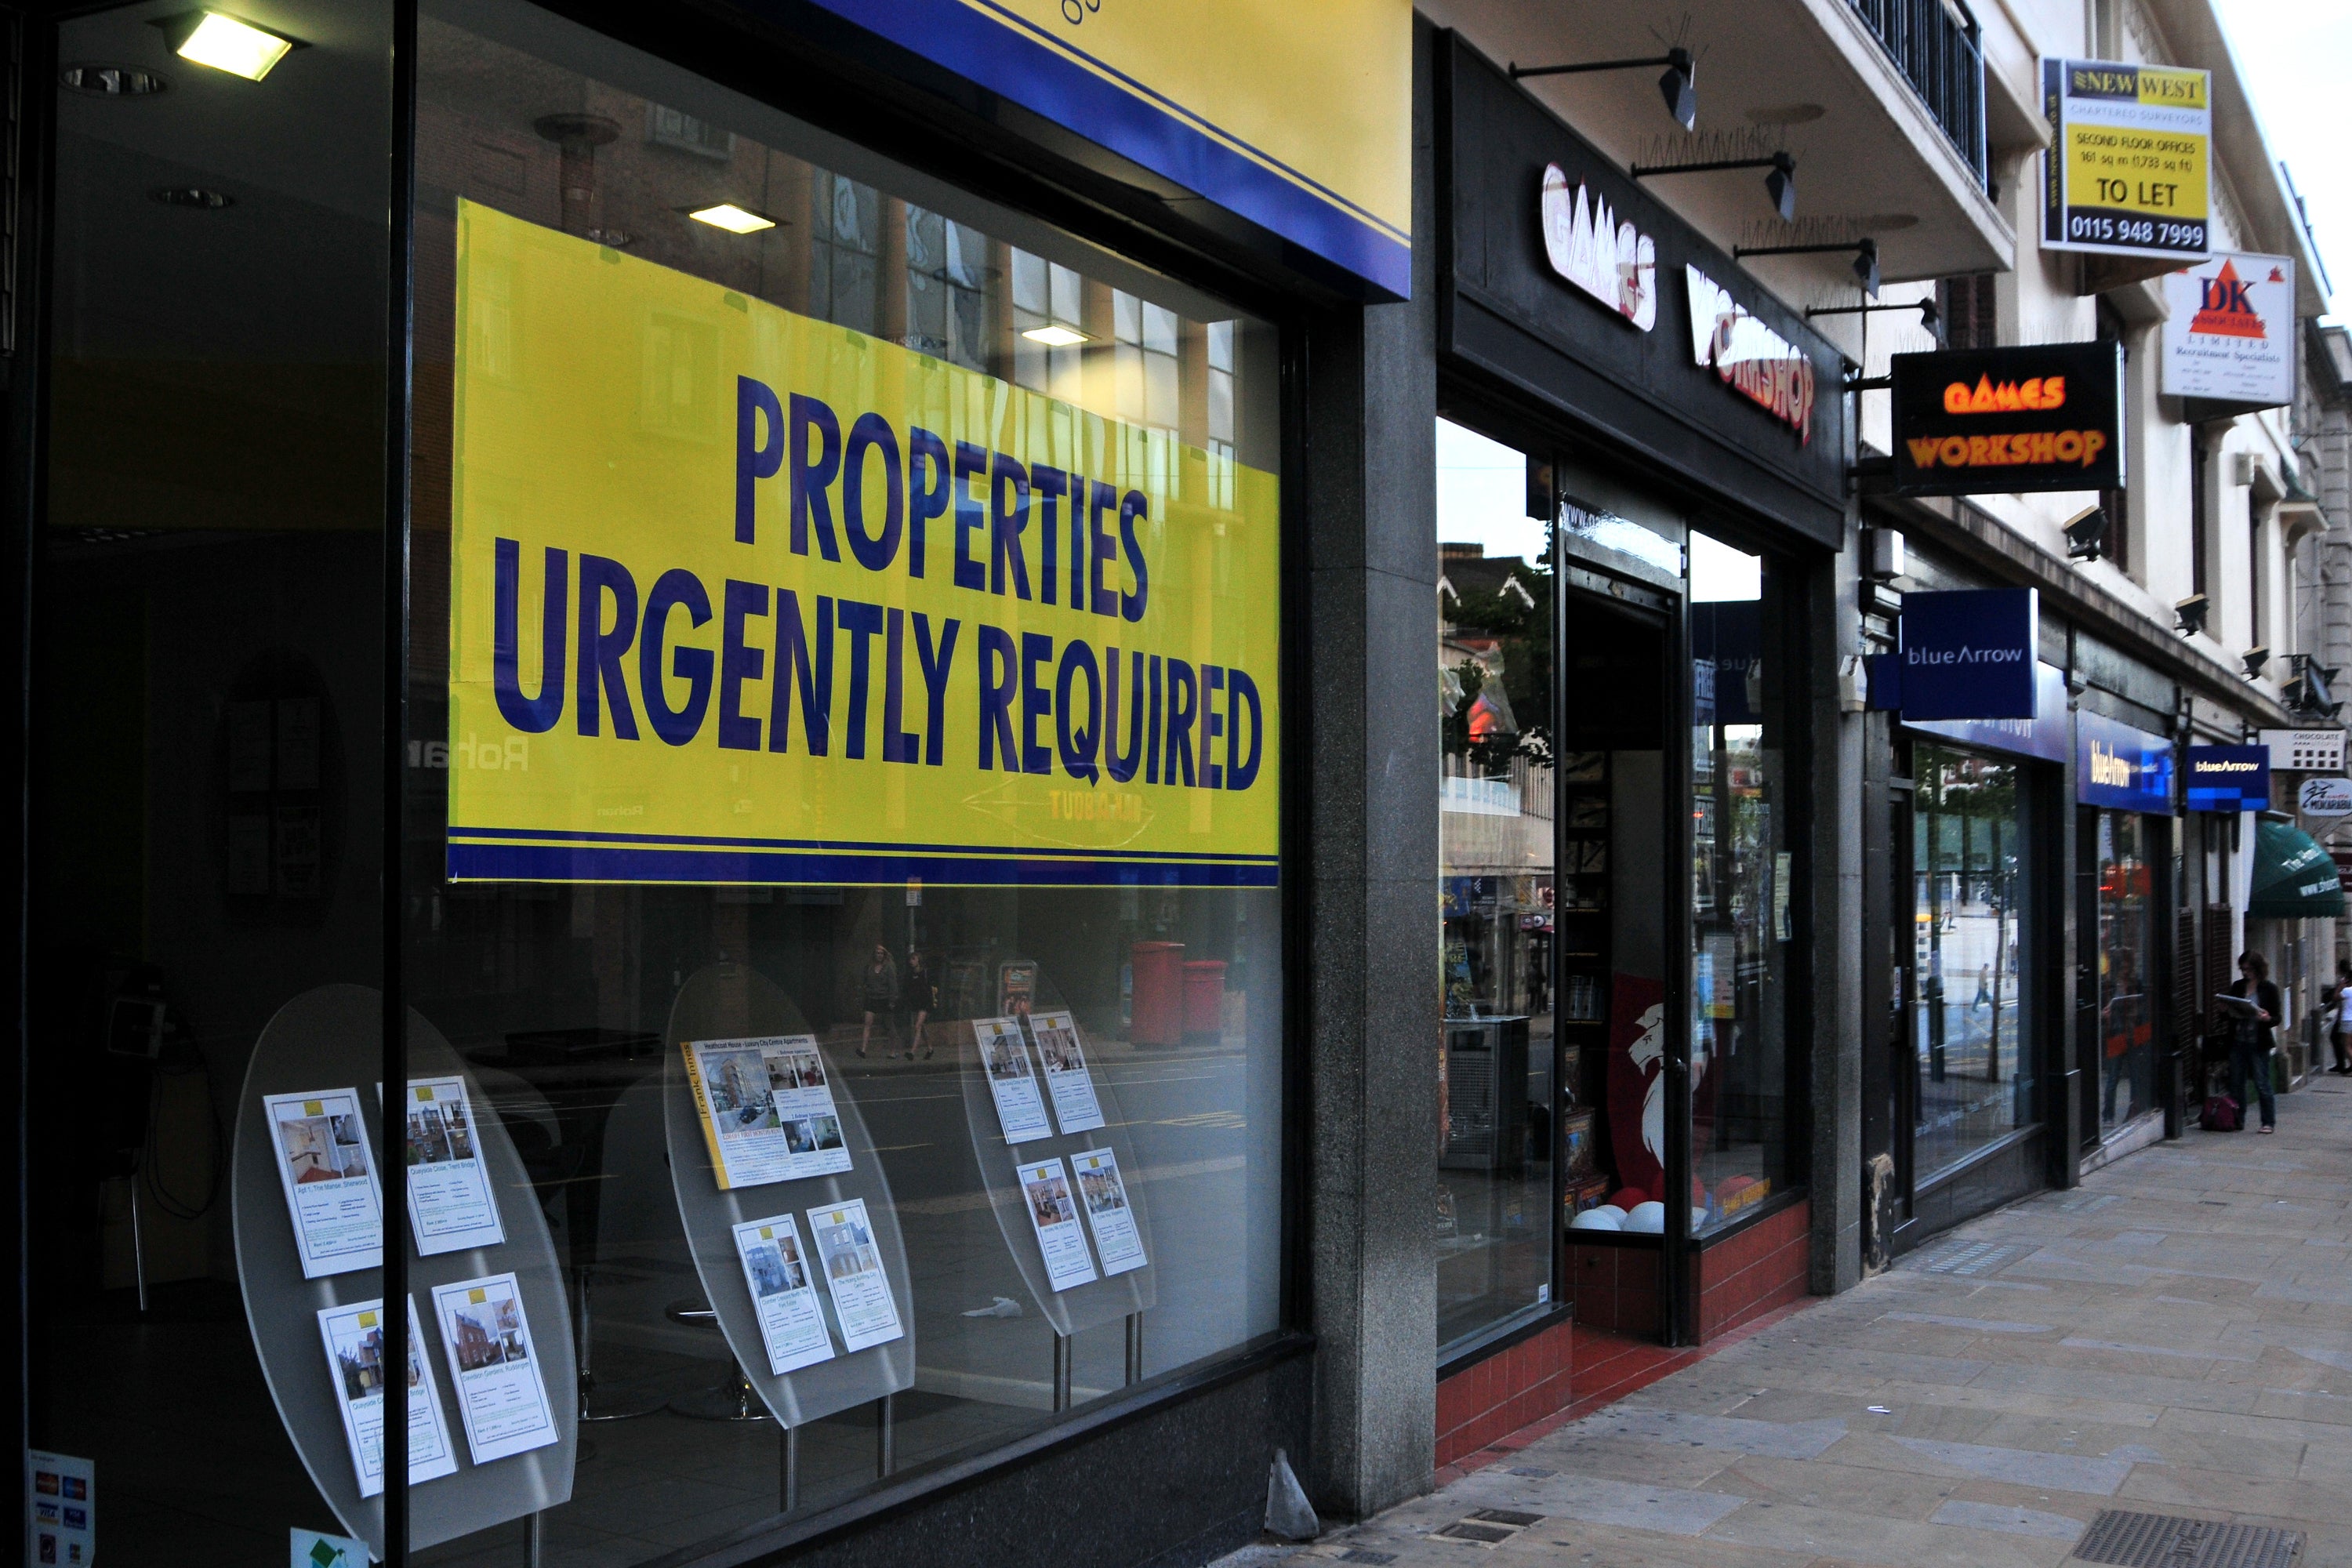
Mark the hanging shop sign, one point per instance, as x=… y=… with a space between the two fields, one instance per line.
x=1299 y=119
x=2001 y=420
x=2121 y=767
x=1969 y=654
x=2231 y=335
x=2127 y=173
x=2229 y=778
x=2043 y=736
x=846 y=613
x=2325 y=797
x=1585 y=244
x=1750 y=357
x=2304 y=751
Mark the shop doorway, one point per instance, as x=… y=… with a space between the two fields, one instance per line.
x=1622 y=928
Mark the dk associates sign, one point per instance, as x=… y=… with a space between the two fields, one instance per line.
x=2004 y=421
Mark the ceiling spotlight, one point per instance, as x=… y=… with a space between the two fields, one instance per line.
x=1781 y=184
x=1865 y=265
x=2253 y=659
x=1865 y=256
x=2188 y=614
x=732 y=218
x=1931 y=321
x=1678 y=87
x=2086 y=534
x=226 y=44
x=1055 y=336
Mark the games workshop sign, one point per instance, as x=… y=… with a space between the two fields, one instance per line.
x=2003 y=421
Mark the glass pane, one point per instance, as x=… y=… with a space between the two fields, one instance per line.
x=847 y=964
x=206 y=781
x=2126 y=959
x=1969 y=887
x=1496 y=1043
x=1743 y=869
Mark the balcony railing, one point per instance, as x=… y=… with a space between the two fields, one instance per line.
x=1939 y=48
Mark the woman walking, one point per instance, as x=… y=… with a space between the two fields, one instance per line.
x=2252 y=1040
x=922 y=1000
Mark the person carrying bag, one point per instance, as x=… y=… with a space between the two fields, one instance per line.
x=2253 y=1035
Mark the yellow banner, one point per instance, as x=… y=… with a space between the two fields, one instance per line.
x=742 y=596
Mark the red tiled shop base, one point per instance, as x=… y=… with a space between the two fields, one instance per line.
x=1615 y=1288
x=1610 y=1350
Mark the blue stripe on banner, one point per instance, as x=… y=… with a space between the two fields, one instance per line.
x=616 y=863
x=1159 y=135
x=841 y=846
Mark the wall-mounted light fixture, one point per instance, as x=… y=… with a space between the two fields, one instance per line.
x=1865 y=257
x=2253 y=659
x=226 y=44
x=2188 y=614
x=1678 y=87
x=1054 y=335
x=1781 y=184
x=1931 y=321
x=2086 y=534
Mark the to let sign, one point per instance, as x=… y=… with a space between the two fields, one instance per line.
x=1969 y=654
x=2002 y=421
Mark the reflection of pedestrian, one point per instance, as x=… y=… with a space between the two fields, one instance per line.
x=922 y=999
x=2250 y=1040
x=2341 y=1038
x=881 y=993
x=1984 y=987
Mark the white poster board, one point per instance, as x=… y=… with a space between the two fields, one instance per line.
x=2231 y=335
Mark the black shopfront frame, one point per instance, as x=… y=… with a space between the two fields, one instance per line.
x=908 y=110
x=1529 y=360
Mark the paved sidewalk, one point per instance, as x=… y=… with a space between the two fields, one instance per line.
x=2174 y=1337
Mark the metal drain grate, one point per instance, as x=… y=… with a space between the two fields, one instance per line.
x=1484 y=1534
x=1978 y=1258
x=1366 y=1554
x=2168 y=1540
x=1532 y=1473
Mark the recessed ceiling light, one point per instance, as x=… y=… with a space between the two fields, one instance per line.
x=732 y=218
x=196 y=196
x=110 y=81
x=237 y=47
x=1055 y=337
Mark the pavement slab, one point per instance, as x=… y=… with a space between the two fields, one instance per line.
x=2169 y=1337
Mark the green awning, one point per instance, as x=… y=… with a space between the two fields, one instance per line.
x=2294 y=878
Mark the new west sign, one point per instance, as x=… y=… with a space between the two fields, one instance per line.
x=2004 y=421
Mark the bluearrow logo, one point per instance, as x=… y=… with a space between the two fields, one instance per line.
x=2109 y=766
x=1930 y=658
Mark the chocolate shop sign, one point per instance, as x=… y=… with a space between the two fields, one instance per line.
x=2004 y=421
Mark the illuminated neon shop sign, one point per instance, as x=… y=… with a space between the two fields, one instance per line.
x=1614 y=262
x=1749 y=356
x=2034 y=417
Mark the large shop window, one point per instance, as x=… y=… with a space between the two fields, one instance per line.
x=1496 y=1042
x=1742 y=869
x=1970 y=892
x=2127 y=946
x=839 y=897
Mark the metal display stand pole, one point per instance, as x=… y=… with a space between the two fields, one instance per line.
x=1061 y=1372
x=1134 y=1349
x=886 y=1435
x=787 y=1468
